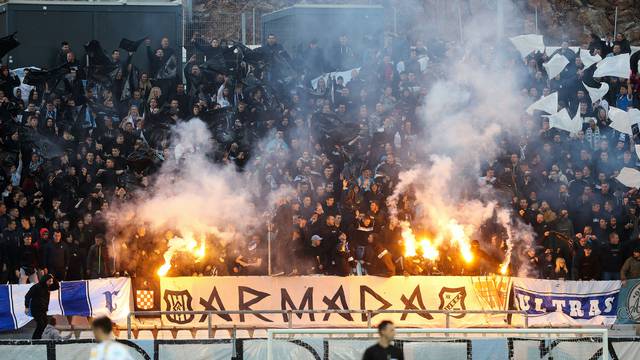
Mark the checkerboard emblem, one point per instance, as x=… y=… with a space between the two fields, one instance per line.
x=144 y=299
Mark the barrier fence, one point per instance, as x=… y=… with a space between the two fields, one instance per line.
x=601 y=332
x=289 y=313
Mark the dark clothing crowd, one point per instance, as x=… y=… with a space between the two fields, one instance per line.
x=78 y=139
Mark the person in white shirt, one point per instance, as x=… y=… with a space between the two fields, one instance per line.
x=108 y=348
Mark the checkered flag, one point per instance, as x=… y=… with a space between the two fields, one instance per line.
x=144 y=299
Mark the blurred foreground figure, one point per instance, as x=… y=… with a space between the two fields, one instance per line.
x=107 y=349
x=384 y=350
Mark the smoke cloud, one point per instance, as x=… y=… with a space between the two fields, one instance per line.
x=471 y=109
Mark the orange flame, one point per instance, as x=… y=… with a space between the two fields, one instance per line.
x=504 y=268
x=429 y=251
x=409 y=239
x=177 y=244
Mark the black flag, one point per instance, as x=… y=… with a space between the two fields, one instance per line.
x=96 y=54
x=129 y=45
x=7 y=44
x=35 y=77
x=635 y=58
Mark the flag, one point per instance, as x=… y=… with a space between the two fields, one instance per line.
x=169 y=69
x=588 y=59
x=96 y=53
x=614 y=66
x=623 y=120
x=561 y=120
x=555 y=65
x=597 y=93
x=526 y=44
x=92 y=298
x=144 y=299
x=635 y=61
x=129 y=45
x=7 y=44
x=548 y=104
x=629 y=177
x=346 y=75
x=36 y=76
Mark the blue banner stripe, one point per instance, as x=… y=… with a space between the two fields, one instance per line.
x=88 y=295
x=559 y=293
x=576 y=306
x=7 y=320
x=73 y=298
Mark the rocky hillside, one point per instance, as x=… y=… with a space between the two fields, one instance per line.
x=573 y=20
x=576 y=19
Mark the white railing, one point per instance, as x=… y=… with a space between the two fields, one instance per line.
x=602 y=332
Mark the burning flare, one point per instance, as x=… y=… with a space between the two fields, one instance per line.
x=450 y=229
x=177 y=244
x=429 y=249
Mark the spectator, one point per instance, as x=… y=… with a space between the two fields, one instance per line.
x=560 y=271
x=56 y=257
x=98 y=262
x=51 y=333
x=611 y=255
x=36 y=302
x=631 y=267
x=587 y=265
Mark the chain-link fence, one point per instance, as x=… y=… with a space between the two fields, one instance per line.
x=245 y=27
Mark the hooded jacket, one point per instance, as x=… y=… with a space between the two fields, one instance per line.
x=37 y=298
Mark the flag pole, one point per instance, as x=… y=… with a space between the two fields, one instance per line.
x=615 y=24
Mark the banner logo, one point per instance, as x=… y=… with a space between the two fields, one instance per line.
x=108 y=296
x=453 y=299
x=178 y=301
x=633 y=302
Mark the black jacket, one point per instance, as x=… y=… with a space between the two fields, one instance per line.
x=56 y=256
x=37 y=298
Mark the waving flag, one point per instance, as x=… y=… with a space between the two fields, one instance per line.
x=548 y=104
x=102 y=297
x=588 y=59
x=526 y=44
x=618 y=66
x=597 y=93
x=555 y=65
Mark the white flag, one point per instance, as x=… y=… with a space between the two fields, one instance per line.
x=638 y=151
x=629 y=177
x=555 y=65
x=617 y=66
x=561 y=120
x=634 y=49
x=548 y=104
x=526 y=44
x=597 y=93
x=346 y=75
x=619 y=120
x=549 y=50
x=587 y=59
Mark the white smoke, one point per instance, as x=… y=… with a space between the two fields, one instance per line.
x=467 y=112
x=193 y=194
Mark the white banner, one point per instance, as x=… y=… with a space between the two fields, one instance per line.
x=102 y=297
x=335 y=293
x=567 y=303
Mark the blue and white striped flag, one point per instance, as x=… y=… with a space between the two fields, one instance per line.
x=102 y=297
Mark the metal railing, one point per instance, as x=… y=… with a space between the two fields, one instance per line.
x=369 y=315
x=603 y=332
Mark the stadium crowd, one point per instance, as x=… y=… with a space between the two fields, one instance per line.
x=79 y=138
